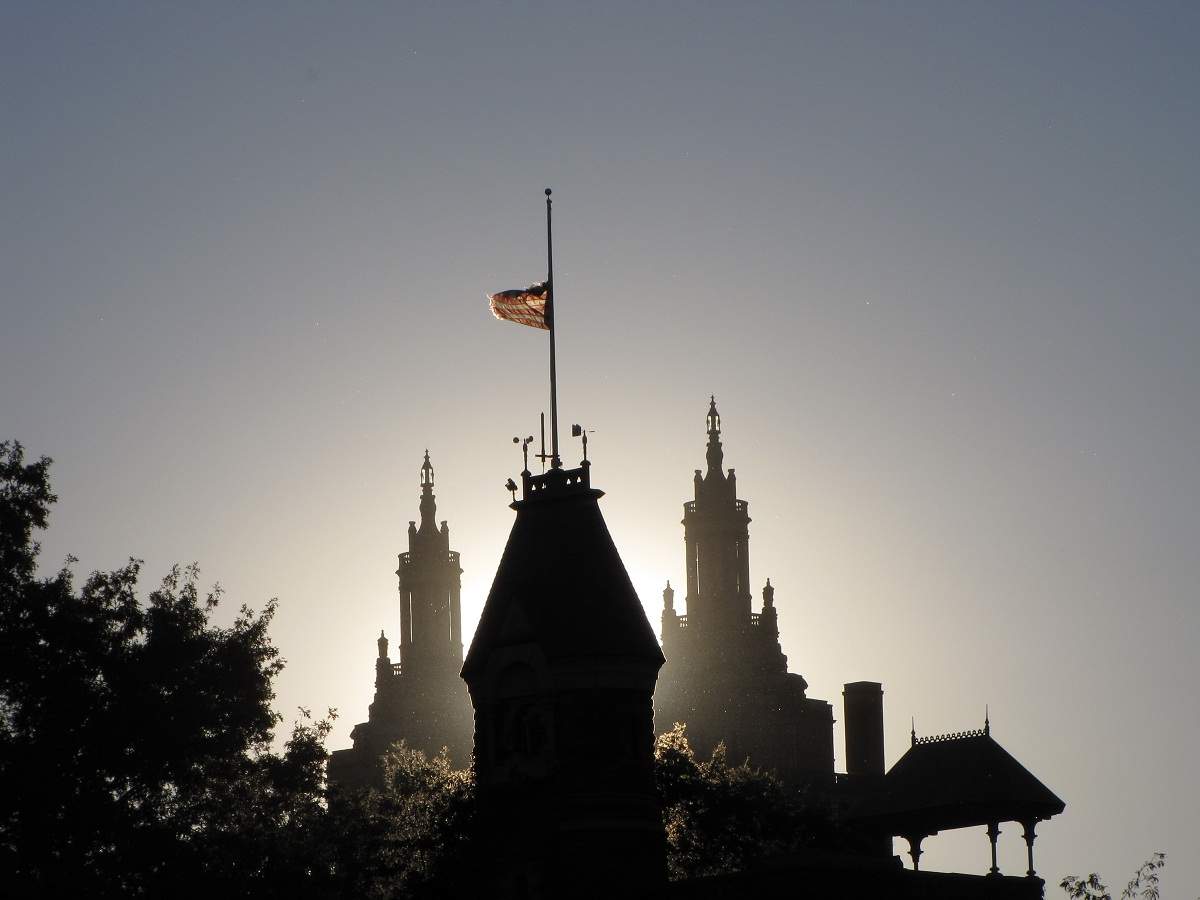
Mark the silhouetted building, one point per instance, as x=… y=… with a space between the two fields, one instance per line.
x=726 y=675
x=953 y=781
x=561 y=673
x=421 y=699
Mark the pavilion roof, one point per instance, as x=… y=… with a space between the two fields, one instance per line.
x=955 y=781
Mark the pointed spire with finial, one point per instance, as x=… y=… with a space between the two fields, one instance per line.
x=914 y=731
x=715 y=454
x=427 y=471
x=428 y=502
x=987 y=721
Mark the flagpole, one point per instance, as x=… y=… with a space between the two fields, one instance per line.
x=555 y=462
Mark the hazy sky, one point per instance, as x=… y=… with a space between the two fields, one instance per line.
x=938 y=263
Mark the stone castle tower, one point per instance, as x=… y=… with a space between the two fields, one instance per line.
x=420 y=699
x=561 y=672
x=726 y=675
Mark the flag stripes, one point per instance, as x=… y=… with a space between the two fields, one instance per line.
x=526 y=306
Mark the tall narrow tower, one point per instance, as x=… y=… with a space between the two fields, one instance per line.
x=420 y=699
x=726 y=675
x=561 y=673
x=716 y=534
x=430 y=608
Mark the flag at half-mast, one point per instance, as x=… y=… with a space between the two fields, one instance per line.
x=527 y=306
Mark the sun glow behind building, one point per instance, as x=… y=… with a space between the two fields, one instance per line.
x=936 y=263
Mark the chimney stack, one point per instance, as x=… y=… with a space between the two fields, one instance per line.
x=863 y=703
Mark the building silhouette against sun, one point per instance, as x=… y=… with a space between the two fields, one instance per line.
x=561 y=672
x=563 y=695
x=421 y=699
x=726 y=676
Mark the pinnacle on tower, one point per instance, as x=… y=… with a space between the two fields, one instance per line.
x=427 y=471
x=428 y=501
x=715 y=456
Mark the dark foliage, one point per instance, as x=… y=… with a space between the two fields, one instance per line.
x=721 y=817
x=1144 y=883
x=413 y=839
x=135 y=735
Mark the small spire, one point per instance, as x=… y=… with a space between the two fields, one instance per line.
x=914 y=731
x=714 y=456
x=427 y=471
x=428 y=504
x=987 y=723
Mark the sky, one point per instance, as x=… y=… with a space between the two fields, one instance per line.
x=936 y=261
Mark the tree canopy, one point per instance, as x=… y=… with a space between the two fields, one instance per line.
x=135 y=734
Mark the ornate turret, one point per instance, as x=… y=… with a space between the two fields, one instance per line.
x=768 y=619
x=430 y=611
x=716 y=534
x=726 y=674
x=561 y=673
x=420 y=699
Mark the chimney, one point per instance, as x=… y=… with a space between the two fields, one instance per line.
x=863 y=703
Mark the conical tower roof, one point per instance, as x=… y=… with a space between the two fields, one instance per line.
x=561 y=583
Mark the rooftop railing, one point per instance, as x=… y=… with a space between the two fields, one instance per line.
x=954 y=736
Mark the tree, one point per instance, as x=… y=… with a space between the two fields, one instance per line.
x=411 y=839
x=135 y=735
x=720 y=817
x=1144 y=883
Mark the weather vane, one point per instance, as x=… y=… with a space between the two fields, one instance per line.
x=580 y=432
x=524 y=442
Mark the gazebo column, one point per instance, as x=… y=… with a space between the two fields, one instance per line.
x=993 y=832
x=914 y=849
x=1029 y=827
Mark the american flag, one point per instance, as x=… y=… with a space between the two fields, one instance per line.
x=524 y=306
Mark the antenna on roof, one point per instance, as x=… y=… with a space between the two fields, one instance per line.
x=543 y=455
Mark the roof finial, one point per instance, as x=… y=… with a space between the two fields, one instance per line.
x=987 y=724
x=714 y=455
x=580 y=431
x=428 y=506
x=525 y=442
x=914 y=731
x=427 y=471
